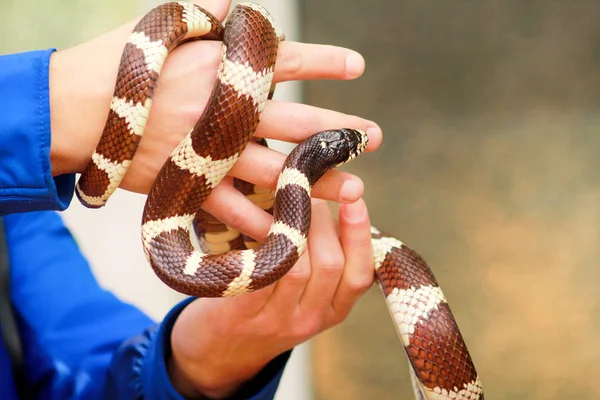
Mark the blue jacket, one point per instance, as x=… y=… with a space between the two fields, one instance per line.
x=80 y=341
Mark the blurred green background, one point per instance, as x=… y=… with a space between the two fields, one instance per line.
x=489 y=169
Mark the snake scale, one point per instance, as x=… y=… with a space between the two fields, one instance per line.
x=195 y=254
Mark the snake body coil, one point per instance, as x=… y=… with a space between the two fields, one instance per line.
x=441 y=367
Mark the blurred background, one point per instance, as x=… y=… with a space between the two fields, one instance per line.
x=489 y=169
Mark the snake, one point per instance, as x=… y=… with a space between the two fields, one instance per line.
x=193 y=252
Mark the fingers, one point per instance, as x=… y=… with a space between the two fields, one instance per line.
x=318 y=294
x=262 y=166
x=235 y=210
x=299 y=61
x=304 y=294
x=326 y=259
x=290 y=288
x=294 y=122
x=355 y=238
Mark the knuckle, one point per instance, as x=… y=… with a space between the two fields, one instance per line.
x=359 y=283
x=298 y=276
x=300 y=273
x=307 y=328
x=270 y=328
x=272 y=172
x=339 y=317
x=232 y=216
x=359 y=242
x=358 y=236
x=330 y=269
x=211 y=55
x=289 y=61
x=332 y=266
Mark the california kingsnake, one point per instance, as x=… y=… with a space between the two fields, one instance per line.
x=176 y=232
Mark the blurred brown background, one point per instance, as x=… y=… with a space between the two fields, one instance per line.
x=489 y=168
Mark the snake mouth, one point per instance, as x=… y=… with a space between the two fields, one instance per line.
x=357 y=142
x=364 y=141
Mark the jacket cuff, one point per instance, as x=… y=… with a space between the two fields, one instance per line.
x=26 y=182
x=154 y=351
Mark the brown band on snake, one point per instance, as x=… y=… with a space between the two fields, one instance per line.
x=191 y=192
x=438 y=346
x=434 y=345
x=403 y=268
x=297 y=215
x=266 y=274
x=220 y=138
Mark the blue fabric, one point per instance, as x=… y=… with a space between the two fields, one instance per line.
x=25 y=179
x=80 y=341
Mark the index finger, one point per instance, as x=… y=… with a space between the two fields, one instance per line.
x=355 y=236
x=302 y=61
x=262 y=166
x=295 y=122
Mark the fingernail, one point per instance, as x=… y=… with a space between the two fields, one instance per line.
x=375 y=135
x=355 y=212
x=351 y=191
x=355 y=65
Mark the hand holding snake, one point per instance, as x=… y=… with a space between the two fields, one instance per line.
x=440 y=364
x=247 y=332
x=82 y=80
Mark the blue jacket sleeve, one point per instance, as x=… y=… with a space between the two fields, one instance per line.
x=26 y=183
x=80 y=341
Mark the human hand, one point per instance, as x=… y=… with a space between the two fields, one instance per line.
x=240 y=335
x=82 y=82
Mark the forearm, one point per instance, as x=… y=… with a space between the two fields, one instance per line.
x=79 y=99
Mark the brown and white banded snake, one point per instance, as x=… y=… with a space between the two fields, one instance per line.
x=195 y=254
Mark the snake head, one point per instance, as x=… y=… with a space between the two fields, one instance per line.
x=342 y=145
x=325 y=150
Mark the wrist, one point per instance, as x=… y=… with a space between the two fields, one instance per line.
x=210 y=376
x=215 y=364
x=59 y=149
x=79 y=103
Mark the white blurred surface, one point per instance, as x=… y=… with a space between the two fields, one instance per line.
x=110 y=237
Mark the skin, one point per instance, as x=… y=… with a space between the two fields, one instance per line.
x=218 y=344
